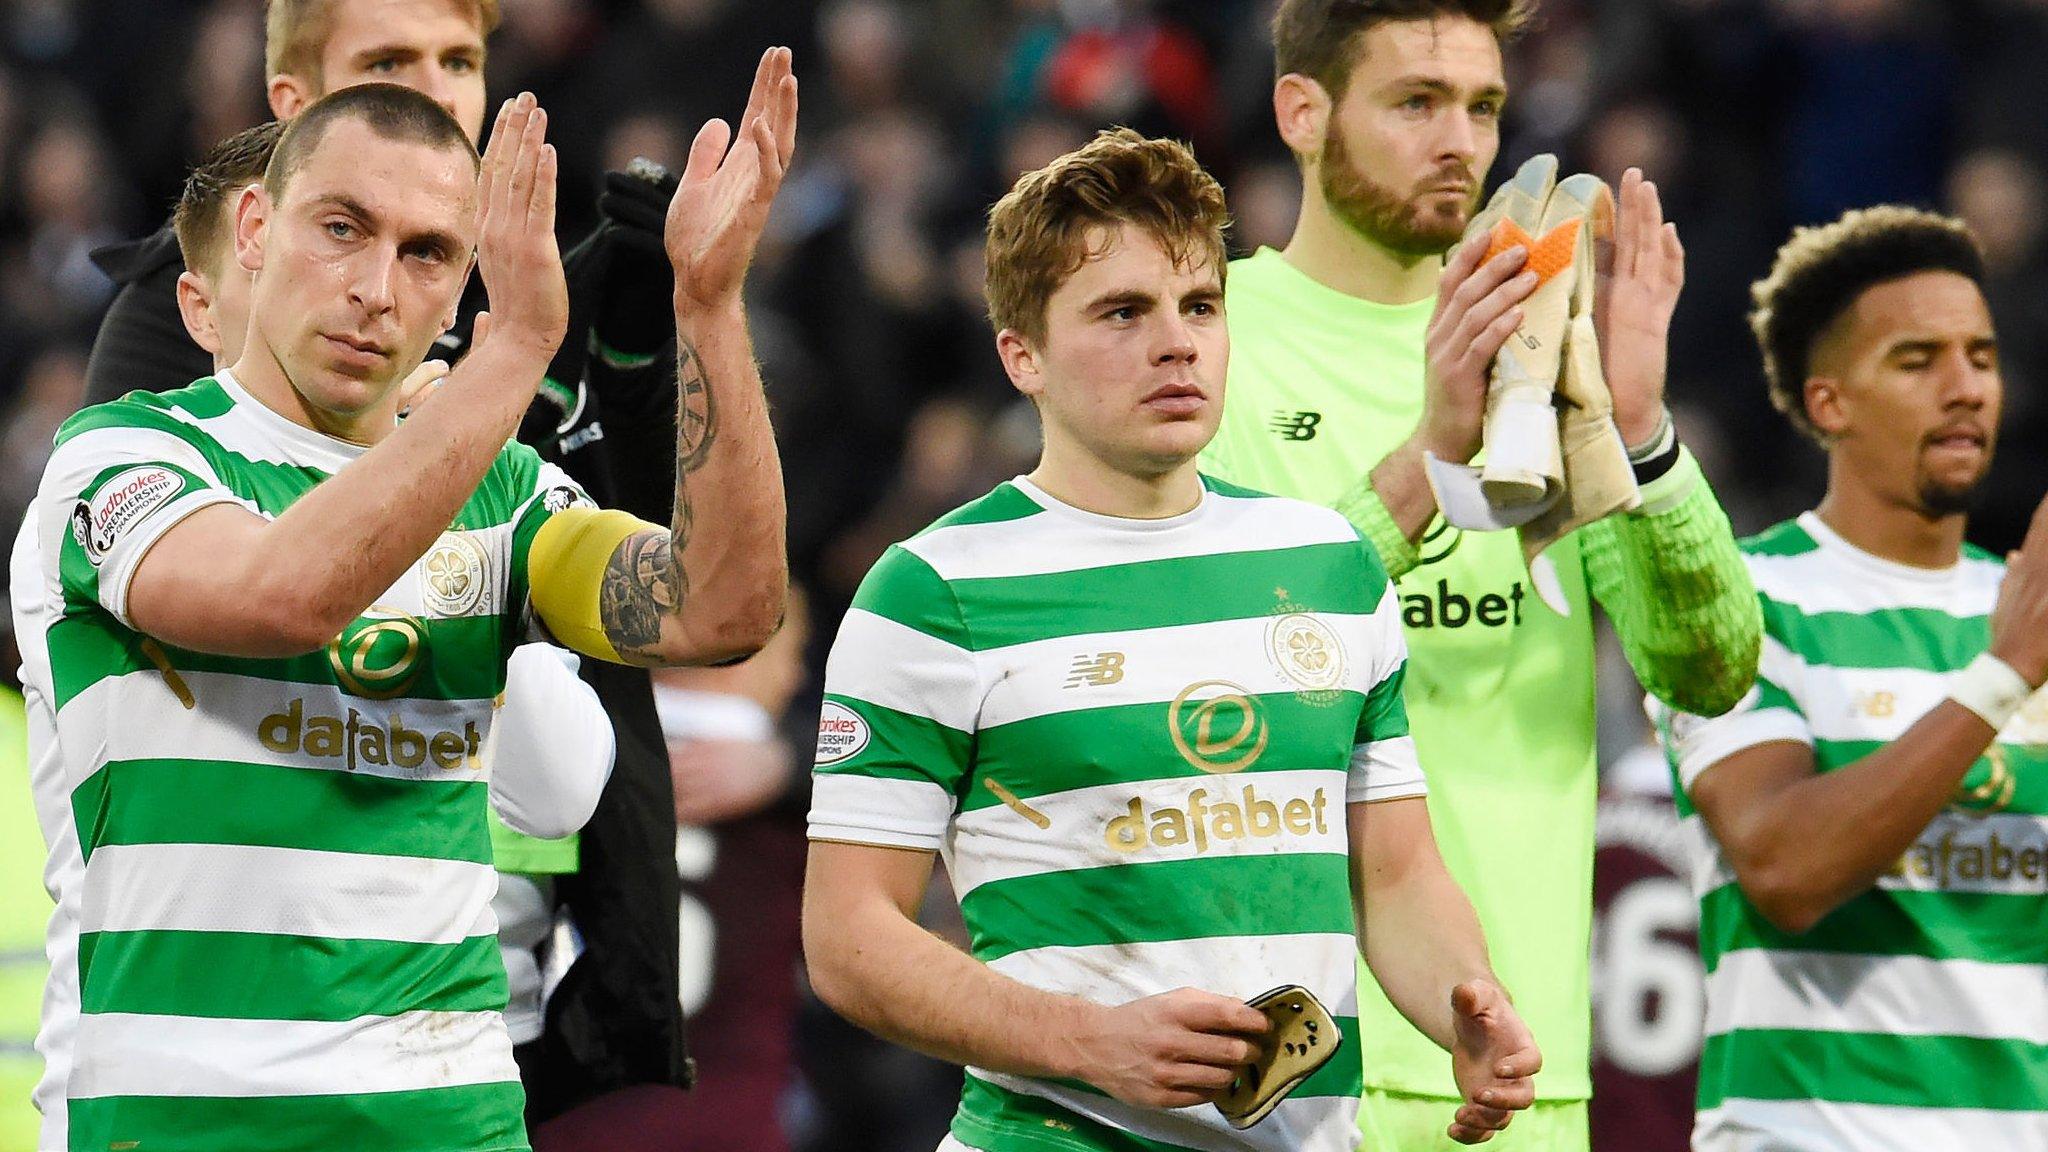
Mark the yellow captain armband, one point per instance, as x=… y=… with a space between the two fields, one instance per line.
x=565 y=568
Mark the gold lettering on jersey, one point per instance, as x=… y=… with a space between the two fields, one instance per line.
x=1877 y=705
x=1993 y=791
x=1966 y=859
x=1217 y=726
x=1013 y=803
x=380 y=655
x=175 y=682
x=356 y=739
x=1201 y=823
x=1097 y=671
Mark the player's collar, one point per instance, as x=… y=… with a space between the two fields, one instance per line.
x=304 y=445
x=1836 y=544
x=1060 y=507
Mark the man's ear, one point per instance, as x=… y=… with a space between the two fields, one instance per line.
x=1301 y=110
x=289 y=95
x=1020 y=362
x=195 y=308
x=1824 y=405
x=252 y=213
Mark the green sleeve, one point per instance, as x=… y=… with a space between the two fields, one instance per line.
x=1368 y=513
x=1680 y=596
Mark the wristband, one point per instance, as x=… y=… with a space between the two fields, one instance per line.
x=1990 y=688
x=1658 y=455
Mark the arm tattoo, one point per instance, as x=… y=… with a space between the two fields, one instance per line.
x=696 y=413
x=643 y=583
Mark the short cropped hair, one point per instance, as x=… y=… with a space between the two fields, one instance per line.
x=295 y=33
x=230 y=166
x=1823 y=269
x=1319 y=38
x=392 y=111
x=1040 y=232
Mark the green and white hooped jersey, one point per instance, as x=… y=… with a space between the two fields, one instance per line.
x=1914 y=1016
x=1132 y=742
x=286 y=937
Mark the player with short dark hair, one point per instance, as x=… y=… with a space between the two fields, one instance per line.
x=210 y=291
x=602 y=414
x=1870 y=824
x=1821 y=271
x=325 y=823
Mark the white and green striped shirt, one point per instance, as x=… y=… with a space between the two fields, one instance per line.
x=1133 y=742
x=1915 y=1016
x=286 y=937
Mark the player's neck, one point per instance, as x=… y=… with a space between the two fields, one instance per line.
x=260 y=374
x=1072 y=477
x=1336 y=255
x=1886 y=529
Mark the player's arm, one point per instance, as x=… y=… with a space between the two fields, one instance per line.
x=1802 y=842
x=551 y=745
x=1668 y=573
x=710 y=587
x=1423 y=943
x=1477 y=307
x=870 y=962
x=902 y=690
x=1416 y=929
x=227 y=581
x=1674 y=583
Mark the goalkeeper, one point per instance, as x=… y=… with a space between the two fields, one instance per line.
x=1358 y=349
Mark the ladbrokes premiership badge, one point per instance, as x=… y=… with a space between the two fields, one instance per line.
x=100 y=520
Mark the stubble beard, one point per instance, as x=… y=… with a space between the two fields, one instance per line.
x=1381 y=214
x=1939 y=500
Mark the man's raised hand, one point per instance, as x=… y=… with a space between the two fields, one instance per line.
x=728 y=185
x=1493 y=1058
x=1478 y=306
x=1639 y=276
x=2019 y=621
x=515 y=250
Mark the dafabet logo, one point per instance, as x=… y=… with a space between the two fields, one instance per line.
x=1203 y=822
x=1217 y=726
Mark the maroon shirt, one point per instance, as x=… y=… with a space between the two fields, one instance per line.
x=1648 y=983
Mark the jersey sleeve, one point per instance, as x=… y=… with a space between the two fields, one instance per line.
x=1768 y=713
x=1383 y=761
x=115 y=484
x=1383 y=753
x=896 y=732
x=548 y=493
x=1675 y=585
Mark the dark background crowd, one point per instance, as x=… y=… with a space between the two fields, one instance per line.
x=1752 y=115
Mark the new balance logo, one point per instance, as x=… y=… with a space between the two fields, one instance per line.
x=1295 y=425
x=1097 y=671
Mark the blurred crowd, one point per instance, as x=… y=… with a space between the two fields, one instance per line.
x=1752 y=115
